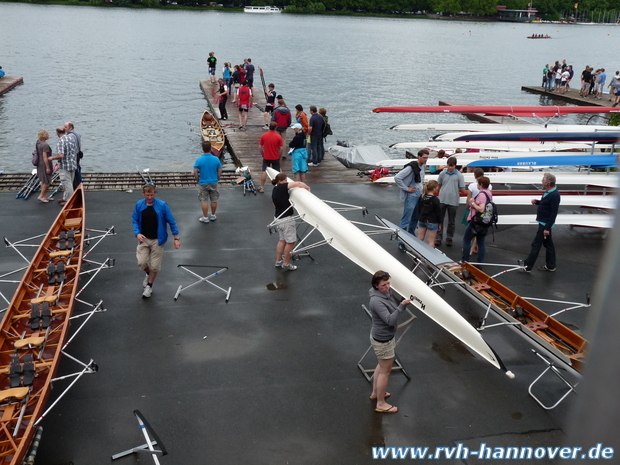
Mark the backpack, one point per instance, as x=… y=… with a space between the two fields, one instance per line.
x=488 y=217
x=327 y=129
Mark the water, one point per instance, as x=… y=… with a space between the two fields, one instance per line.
x=128 y=78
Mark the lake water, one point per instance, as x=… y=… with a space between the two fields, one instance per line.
x=128 y=78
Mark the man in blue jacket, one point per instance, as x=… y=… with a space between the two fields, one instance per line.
x=546 y=214
x=410 y=181
x=150 y=218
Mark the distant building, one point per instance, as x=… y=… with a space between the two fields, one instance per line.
x=525 y=16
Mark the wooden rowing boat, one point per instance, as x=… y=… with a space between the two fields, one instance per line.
x=567 y=345
x=35 y=328
x=212 y=131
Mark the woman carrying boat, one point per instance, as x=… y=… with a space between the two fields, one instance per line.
x=44 y=166
x=477 y=204
x=299 y=154
x=385 y=310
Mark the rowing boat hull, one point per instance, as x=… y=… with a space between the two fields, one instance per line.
x=514 y=146
x=354 y=244
x=482 y=127
x=15 y=325
x=605 y=137
x=522 y=111
x=212 y=132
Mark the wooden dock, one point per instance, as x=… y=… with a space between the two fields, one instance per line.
x=572 y=96
x=244 y=144
x=8 y=82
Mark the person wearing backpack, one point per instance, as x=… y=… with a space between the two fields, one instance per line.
x=477 y=205
x=546 y=214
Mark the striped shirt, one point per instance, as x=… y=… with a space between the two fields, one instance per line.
x=68 y=146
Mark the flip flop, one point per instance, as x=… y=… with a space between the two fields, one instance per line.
x=392 y=409
x=387 y=394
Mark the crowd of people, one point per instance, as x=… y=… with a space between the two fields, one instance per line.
x=557 y=78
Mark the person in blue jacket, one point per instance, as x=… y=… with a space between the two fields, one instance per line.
x=150 y=219
x=546 y=214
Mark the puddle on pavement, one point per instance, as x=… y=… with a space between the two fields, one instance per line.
x=276 y=286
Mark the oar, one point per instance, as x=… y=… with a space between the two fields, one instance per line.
x=262 y=78
x=27 y=184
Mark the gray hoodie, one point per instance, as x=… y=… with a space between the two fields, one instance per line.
x=385 y=310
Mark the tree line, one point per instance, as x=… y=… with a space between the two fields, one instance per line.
x=553 y=10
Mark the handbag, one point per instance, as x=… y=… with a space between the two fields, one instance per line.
x=35 y=157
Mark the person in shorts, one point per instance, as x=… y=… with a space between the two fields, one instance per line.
x=270 y=146
x=429 y=218
x=244 y=97
x=212 y=62
x=150 y=219
x=270 y=95
x=285 y=224
x=207 y=173
x=384 y=311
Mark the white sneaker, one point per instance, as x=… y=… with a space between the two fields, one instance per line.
x=148 y=291
x=212 y=218
x=146 y=280
x=203 y=219
x=279 y=263
x=289 y=267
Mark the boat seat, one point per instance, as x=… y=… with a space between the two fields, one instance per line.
x=480 y=287
x=536 y=326
x=72 y=222
x=60 y=253
x=34 y=341
x=14 y=393
x=50 y=299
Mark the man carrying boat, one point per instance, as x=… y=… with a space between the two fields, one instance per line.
x=410 y=181
x=546 y=214
x=150 y=219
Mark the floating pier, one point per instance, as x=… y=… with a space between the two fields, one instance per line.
x=8 y=82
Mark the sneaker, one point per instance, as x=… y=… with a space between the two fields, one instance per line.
x=260 y=189
x=449 y=241
x=279 y=263
x=545 y=268
x=265 y=127
x=148 y=292
x=203 y=219
x=311 y=164
x=146 y=280
x=438 y=242
x=283 y=158
x=212 y=218
x=401 y=246
x=289 y=267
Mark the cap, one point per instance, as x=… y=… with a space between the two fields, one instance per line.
x=296 y=126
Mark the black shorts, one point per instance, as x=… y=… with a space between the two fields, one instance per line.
x=269 y=109
x=275 y=164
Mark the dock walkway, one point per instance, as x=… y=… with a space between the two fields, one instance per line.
x=572 y=96
x=8 y=82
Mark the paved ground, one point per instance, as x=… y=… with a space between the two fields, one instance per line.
x=271 y=377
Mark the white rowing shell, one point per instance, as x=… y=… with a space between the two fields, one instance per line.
x=483 y=127
x=602 y=221
x=603 y=202
x=354 y=244
x=517 y=146
x=599 y=180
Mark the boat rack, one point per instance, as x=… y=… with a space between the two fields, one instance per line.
x=148 y=432
x=370 y=372
x=441 y=271
x=203 y=280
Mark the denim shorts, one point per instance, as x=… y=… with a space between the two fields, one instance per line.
x=428 y=226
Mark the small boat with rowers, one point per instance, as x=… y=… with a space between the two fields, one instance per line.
x=539 y=36
x=35 y=327
x=212 y=131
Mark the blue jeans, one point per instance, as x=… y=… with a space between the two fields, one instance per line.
x=317 y=151
x=482 y=250
x=409 y=220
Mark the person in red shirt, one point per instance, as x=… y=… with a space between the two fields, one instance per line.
x=244 y=96
x=270 y=145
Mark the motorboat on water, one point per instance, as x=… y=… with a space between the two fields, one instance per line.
x=262 y=9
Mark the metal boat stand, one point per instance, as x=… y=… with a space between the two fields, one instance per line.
x=205 y=279
x=370 y=372
x=556 y=371
x=147 y=448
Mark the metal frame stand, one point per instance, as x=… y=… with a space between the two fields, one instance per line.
x=147 y=448
x=205 y=279
x=552 y=368
x=370 y=372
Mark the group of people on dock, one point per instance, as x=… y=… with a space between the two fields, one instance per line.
x=68 y=154
x=557 y=78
